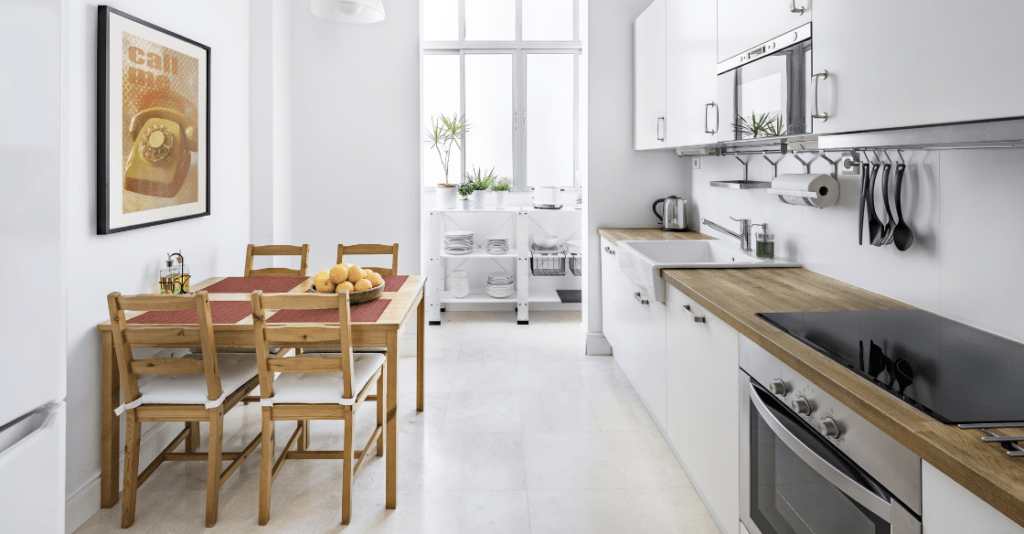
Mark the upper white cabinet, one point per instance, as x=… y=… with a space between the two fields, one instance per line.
x=691 y=111
x=649 y=118
x=913 y=62
x=744 y=24
x=949 y=508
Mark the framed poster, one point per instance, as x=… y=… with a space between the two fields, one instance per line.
x=153 y=125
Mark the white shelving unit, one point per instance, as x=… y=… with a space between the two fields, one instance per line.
x=519 y=253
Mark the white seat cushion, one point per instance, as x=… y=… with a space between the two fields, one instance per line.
x=324 y=388
x=235 y=371
x=332 y=350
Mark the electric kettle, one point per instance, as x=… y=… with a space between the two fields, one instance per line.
x=673 y=216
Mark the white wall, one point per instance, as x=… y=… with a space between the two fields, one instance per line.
x=356 y=133
x=128 y=262
x=622 y=183
x=963 y=205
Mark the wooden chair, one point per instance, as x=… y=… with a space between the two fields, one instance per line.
x=195 y=388
x=312 y=386
x=372 y=250
x=277 y=250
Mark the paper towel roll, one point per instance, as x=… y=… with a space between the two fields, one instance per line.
x=814 y=190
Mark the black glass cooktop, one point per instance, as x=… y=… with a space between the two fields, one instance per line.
x=950 y=371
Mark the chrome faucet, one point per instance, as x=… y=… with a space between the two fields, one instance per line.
x=743 y=235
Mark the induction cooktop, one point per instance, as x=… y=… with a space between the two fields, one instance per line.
x=953 y=372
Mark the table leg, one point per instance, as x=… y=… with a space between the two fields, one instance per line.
x=110 y=434
x=392 y=420
x=420 y=354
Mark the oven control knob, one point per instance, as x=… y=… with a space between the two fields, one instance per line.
x=830 y=428
x=802 y=405
x=778 y=387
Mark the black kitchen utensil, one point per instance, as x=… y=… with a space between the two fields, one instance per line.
x=863 y=197
x=902 y=235
x=890 y=223
x=877 y=361
x=904 y=374
x=875 y=226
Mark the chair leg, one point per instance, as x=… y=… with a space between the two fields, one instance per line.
x=133 y=431
x=213 y=465
x=304 y=442
x=266 y=466
x=348 y=458
x=192 y=445
x=381 y=400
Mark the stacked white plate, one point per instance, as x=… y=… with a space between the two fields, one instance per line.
x=500 y=284
x=458 y=242
x=496 y=245
x=458 y=282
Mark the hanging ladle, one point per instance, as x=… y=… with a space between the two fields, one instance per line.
x=902 y=235
x=875 y=226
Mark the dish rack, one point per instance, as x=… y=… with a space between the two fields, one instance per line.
x=544 y=262
x=576 y=264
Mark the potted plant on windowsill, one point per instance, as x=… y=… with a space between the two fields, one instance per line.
x=480 y=182
x=464 y=190
x=501 y=187
x=444 y=133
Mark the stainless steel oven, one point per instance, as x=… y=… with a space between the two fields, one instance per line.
x=810 y=465
x=764 y=92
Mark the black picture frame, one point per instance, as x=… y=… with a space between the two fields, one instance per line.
x=104 y=107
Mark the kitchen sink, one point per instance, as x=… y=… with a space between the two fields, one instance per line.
x=642 y=261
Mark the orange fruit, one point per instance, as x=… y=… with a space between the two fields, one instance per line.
x=339 y=273
x=363 y=285
x=355 y=274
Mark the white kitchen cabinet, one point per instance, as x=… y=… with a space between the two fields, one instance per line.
x=949 y=508
x=702 y=369
x=744 y=24
x=691 y=112
x=611 y=312
x=914 y=62
x=649 y=121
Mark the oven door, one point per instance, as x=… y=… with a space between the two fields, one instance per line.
x=768 y=96
x=792 y=481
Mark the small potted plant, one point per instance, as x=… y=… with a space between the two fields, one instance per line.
x=481 y=182
x=501 y=187
x=444 y=133
x=464 y=190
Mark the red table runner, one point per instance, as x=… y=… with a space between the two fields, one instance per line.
x=393 y=283
x=223 y=312
x=360 y=313
x=266 y=284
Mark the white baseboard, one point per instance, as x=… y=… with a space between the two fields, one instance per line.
x=83 y=501
x=597 y=345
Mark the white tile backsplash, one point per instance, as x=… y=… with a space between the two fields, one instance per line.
x=965 y=207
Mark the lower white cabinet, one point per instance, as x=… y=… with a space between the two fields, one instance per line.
x=949 y=508
x=702 y=368
x=634 y=325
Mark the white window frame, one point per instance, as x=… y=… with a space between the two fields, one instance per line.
x=519 y=50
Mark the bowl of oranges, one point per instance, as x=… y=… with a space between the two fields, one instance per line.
x=363 y=285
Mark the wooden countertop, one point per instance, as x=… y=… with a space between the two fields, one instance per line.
x=736 y=295
x=647 y=234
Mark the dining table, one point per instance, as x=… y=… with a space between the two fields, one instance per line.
x=376 y=324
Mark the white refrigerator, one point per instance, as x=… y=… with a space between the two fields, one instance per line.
x=33 y=229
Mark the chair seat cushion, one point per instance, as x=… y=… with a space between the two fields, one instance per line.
x=325 y=388
x=360 y=350
x=235 y=371
x=199 y=350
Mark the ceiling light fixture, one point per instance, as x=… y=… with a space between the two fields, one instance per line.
x=349 y=11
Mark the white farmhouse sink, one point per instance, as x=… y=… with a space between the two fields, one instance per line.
x=642 y=261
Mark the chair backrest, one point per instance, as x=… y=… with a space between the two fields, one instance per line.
x=277 y=250
x=372 y=250
x=288 y=335
x=200 y=334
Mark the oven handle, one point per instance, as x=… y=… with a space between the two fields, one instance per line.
x=880 y=505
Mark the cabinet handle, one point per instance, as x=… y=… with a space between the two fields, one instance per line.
x=817 y=114
x=661 y=136
x=706 y=106
x=794 y=9
x=609 y=250
x=696 y=318
x=640 y=299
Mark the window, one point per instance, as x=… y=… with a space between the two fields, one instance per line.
x=511 y=68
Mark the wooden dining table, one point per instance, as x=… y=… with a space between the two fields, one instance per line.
x=405 y=303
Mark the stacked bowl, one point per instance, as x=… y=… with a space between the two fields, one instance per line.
x=458 y=282
x=500 y=284
x=496 y=245
x=458 y=242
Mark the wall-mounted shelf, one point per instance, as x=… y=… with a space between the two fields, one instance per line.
x=481 y=254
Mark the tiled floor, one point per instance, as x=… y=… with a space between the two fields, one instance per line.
x=522 y=433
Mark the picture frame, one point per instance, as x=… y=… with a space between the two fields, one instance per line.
x=153 y=125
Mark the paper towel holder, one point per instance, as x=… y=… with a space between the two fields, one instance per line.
x=828 y=192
